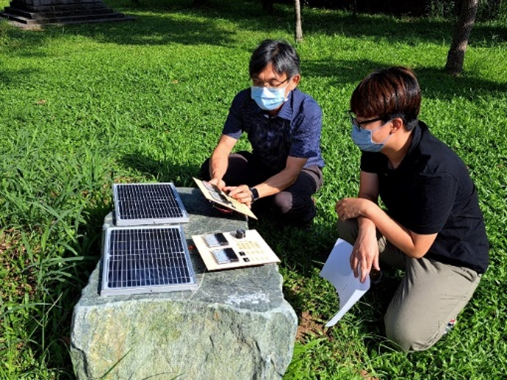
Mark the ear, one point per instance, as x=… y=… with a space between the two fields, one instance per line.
x=294 y=81
x=397 y=124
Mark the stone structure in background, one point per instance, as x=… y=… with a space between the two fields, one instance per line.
x=35 y=13
x=236 y=325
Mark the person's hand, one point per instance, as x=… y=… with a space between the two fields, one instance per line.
x=349 y=208
x=241 y=193
x=219 y=183
x=365 y=254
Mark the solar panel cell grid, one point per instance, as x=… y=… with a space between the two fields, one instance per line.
x=150 y=203
x=146 y=257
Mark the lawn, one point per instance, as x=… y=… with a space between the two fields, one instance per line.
x=84 y=106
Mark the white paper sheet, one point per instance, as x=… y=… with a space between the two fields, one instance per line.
x=337 y=271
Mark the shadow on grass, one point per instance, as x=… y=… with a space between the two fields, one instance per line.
x=159 y=23
x=11 y=77
x=162 y=171
x=248 y=15
x=435 y=83
x=412 y=31
x=159 y=29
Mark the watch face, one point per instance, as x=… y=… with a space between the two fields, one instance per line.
x=255 y=193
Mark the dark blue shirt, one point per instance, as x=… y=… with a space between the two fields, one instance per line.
x=431 y=192
x=294 y=132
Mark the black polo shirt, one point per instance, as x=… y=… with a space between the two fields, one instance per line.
x=431 y=192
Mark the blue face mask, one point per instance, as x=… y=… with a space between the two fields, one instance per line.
x=268 y=98
x=362 y=138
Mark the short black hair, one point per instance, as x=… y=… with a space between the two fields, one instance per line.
x=279 y=53
x=388 y=93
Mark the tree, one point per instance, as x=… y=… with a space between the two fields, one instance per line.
x=298 y=34
x=462 y=30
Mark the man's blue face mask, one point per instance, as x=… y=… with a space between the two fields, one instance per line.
x=362 y=138
x=268 y=98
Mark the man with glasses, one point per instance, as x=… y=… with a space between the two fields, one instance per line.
x=283 y=125
x=431 y=225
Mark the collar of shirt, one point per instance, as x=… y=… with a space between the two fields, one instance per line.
x=409 y=160
x=286 y=111
x=416 y=137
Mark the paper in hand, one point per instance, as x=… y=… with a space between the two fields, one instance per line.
x=337 y=271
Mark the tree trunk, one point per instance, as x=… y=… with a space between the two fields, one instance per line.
x=462 y=30
x=299 y=24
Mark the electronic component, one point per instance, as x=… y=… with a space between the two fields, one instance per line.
x=215 y=240
x=240 y=233
x=225 y=255
x=242 y=252
x=216 y=193
x=224 y=201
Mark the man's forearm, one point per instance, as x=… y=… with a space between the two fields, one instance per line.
x=282 y=180
x=411 y=244
x=218 y=166
x=277 y=183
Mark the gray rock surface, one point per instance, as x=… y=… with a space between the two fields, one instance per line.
x=236 y=325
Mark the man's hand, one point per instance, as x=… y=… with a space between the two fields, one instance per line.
x=219 y=183
x=241 y=193
x=365 y=254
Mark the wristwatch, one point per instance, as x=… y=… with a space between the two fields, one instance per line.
x=255 y=194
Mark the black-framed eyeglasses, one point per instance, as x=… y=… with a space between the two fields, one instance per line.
x=358 y=124
x=272 y=84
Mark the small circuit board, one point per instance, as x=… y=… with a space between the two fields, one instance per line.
x=219 y=198
x=237 y=249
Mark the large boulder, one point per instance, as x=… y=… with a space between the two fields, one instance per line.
x=236 y=325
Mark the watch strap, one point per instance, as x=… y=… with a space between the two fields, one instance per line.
x=255 y=194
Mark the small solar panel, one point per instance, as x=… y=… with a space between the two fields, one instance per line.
x=146 y=260
x=148 y=203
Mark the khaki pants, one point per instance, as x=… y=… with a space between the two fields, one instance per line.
x=430 y=295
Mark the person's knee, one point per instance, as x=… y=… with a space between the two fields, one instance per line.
x=294 y=209
x=408 y=334
x=347 y=230
x=283 y=202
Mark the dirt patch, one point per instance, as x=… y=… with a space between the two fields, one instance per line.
x=308 y=325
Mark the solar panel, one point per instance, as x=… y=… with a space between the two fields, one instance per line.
x=146 y=260
x=148 y=203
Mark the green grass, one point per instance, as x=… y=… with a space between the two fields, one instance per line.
x=83 y=106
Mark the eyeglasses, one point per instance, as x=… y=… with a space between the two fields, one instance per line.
x=271 y=84
x=358 y=124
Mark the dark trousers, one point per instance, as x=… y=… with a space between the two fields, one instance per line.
x=294 y=205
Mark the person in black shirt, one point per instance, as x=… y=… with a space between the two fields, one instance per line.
x=431 y=225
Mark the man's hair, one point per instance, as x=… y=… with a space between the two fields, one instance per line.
x=280 y=54
x=388 y=93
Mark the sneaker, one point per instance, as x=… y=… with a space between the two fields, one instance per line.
x=450 y=325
